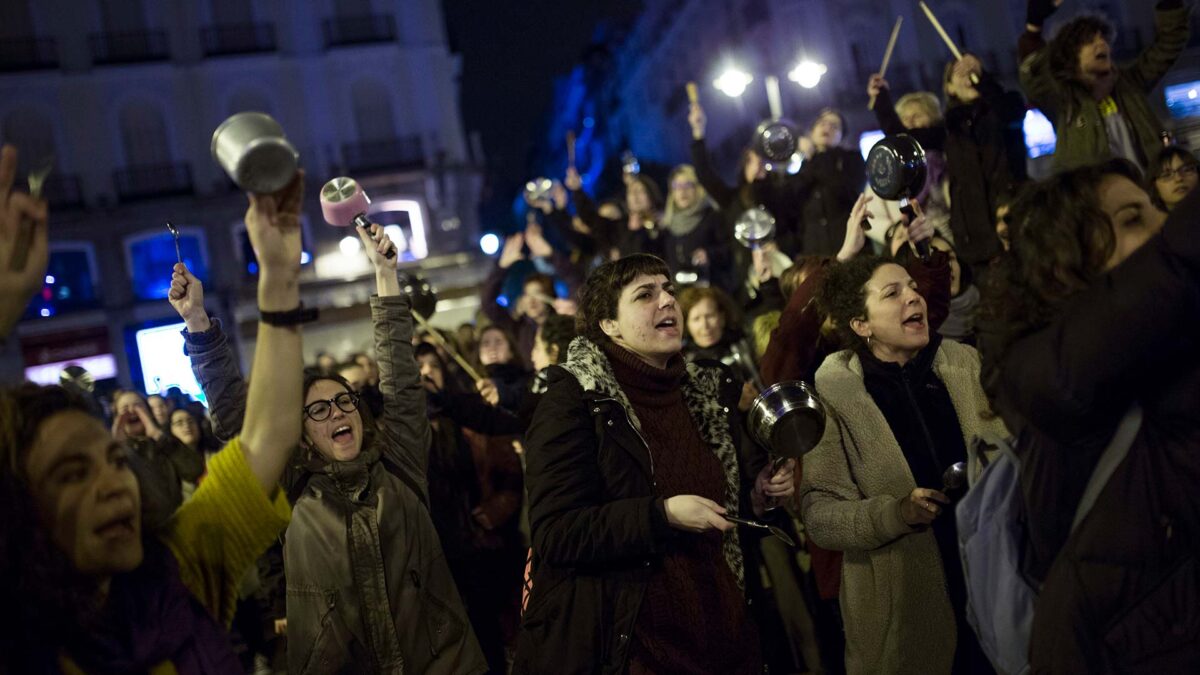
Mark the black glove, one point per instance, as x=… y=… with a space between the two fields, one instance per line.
x=1038 y=11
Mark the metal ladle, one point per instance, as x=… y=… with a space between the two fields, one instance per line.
x=777 y=531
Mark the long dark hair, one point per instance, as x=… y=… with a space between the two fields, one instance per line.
x=1061 y=242
x=34 y=572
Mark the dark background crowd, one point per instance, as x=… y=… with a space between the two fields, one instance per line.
x=471 y=497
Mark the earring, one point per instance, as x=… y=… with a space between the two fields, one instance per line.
x=868 y=341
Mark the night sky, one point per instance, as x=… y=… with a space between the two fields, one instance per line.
x=512 y=51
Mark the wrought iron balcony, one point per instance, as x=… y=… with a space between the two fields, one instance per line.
x=238 y=38
x=356 y=30
x=28 y=54
x=150 y=181
x=391 y=153
x=130 y=47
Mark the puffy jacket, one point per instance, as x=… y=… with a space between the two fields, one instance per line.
x=368 y=588
x=1082 y=136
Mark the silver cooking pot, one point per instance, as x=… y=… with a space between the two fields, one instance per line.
x=788 y=419
x=754 y=228
x=253 y=151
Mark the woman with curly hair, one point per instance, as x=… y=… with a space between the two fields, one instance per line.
x=1093 y=313
x=903 y=407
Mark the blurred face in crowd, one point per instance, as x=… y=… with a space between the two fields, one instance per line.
x=543 y=355
x=185 y=428
x=895 y=315
x=1177 y=179
x=1135 y=219
x=369 y=366
x=130 y=421
x=755 y=168
x=955 y=267
x=326 y=363
x=85 y=494
x=1096 y=68
x=493 y=348
x=431 y=371
x=356 y=375
x=533 y=301
x=827 y=131
x=915 y=116
x=1002 y=225
x=648 y=321
x=684 y=191
x=161 y=409
x=637 y=200
x=337 y=430
x=706 y=323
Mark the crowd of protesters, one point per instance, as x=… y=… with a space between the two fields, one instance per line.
x=562 y=486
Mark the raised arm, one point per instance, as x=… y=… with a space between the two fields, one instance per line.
x=1041 y=86
x=494 y=283
x=1172 y=31
x=404 y=425
x=24 y=254
x=214 y=363
x=273 y=405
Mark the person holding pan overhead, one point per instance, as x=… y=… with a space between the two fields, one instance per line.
x=904 y=405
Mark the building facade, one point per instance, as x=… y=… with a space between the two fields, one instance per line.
x=124 y=95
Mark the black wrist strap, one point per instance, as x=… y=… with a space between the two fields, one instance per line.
x=291 y=317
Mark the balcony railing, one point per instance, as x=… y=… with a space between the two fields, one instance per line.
x=63 y=191
x=149 y=181
x=356 y=30
x=239 y=38
x=392 y=153
x=28 y=54
x=131 y=47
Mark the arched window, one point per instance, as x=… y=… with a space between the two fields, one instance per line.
x=29 y=129
x=144 y=136
x=373 y=116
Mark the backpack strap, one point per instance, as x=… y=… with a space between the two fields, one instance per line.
x=1114 y=454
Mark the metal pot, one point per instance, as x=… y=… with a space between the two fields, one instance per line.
x=896 y=167
x=776 y=141
x=788 y=419
x=754 y=228
x=420 y=293
x=253 y=151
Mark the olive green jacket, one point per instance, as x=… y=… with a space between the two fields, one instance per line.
x=1082 y=136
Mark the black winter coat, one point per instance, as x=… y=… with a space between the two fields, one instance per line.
x=1121 y=593
x=827 y=186
x=985 y=157
x=597 y=527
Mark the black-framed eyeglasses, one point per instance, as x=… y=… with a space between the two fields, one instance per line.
x=319 y=411
x=1183 y=172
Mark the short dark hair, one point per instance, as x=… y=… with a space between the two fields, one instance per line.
x=1064 y=48
x=364 y=410
x=843 y=296
x=544 y=280
x=1164 y=158
x=558 y=331
x=601 y=293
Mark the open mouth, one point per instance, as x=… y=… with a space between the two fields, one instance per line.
x=121 y=527
x=343 y=434
x=668 y=326
x=916 y=321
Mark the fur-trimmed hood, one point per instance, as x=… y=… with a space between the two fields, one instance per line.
x=588 y=364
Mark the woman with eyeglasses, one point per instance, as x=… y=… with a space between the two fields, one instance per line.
x=694 y=222
x=1172 y=177
x=368 y=587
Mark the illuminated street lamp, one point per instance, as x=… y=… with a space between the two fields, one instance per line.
x=733 y=82
x=808 y=74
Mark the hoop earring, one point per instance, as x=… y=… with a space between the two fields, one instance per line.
x=868 y=342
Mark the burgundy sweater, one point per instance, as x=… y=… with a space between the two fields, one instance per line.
x=693 y=618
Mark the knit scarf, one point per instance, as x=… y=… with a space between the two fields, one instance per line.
x=682 y=222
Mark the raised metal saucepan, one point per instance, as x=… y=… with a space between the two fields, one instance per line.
x=253 y=150
x=788 y=419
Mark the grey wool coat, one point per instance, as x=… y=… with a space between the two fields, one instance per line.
x=894 y=601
